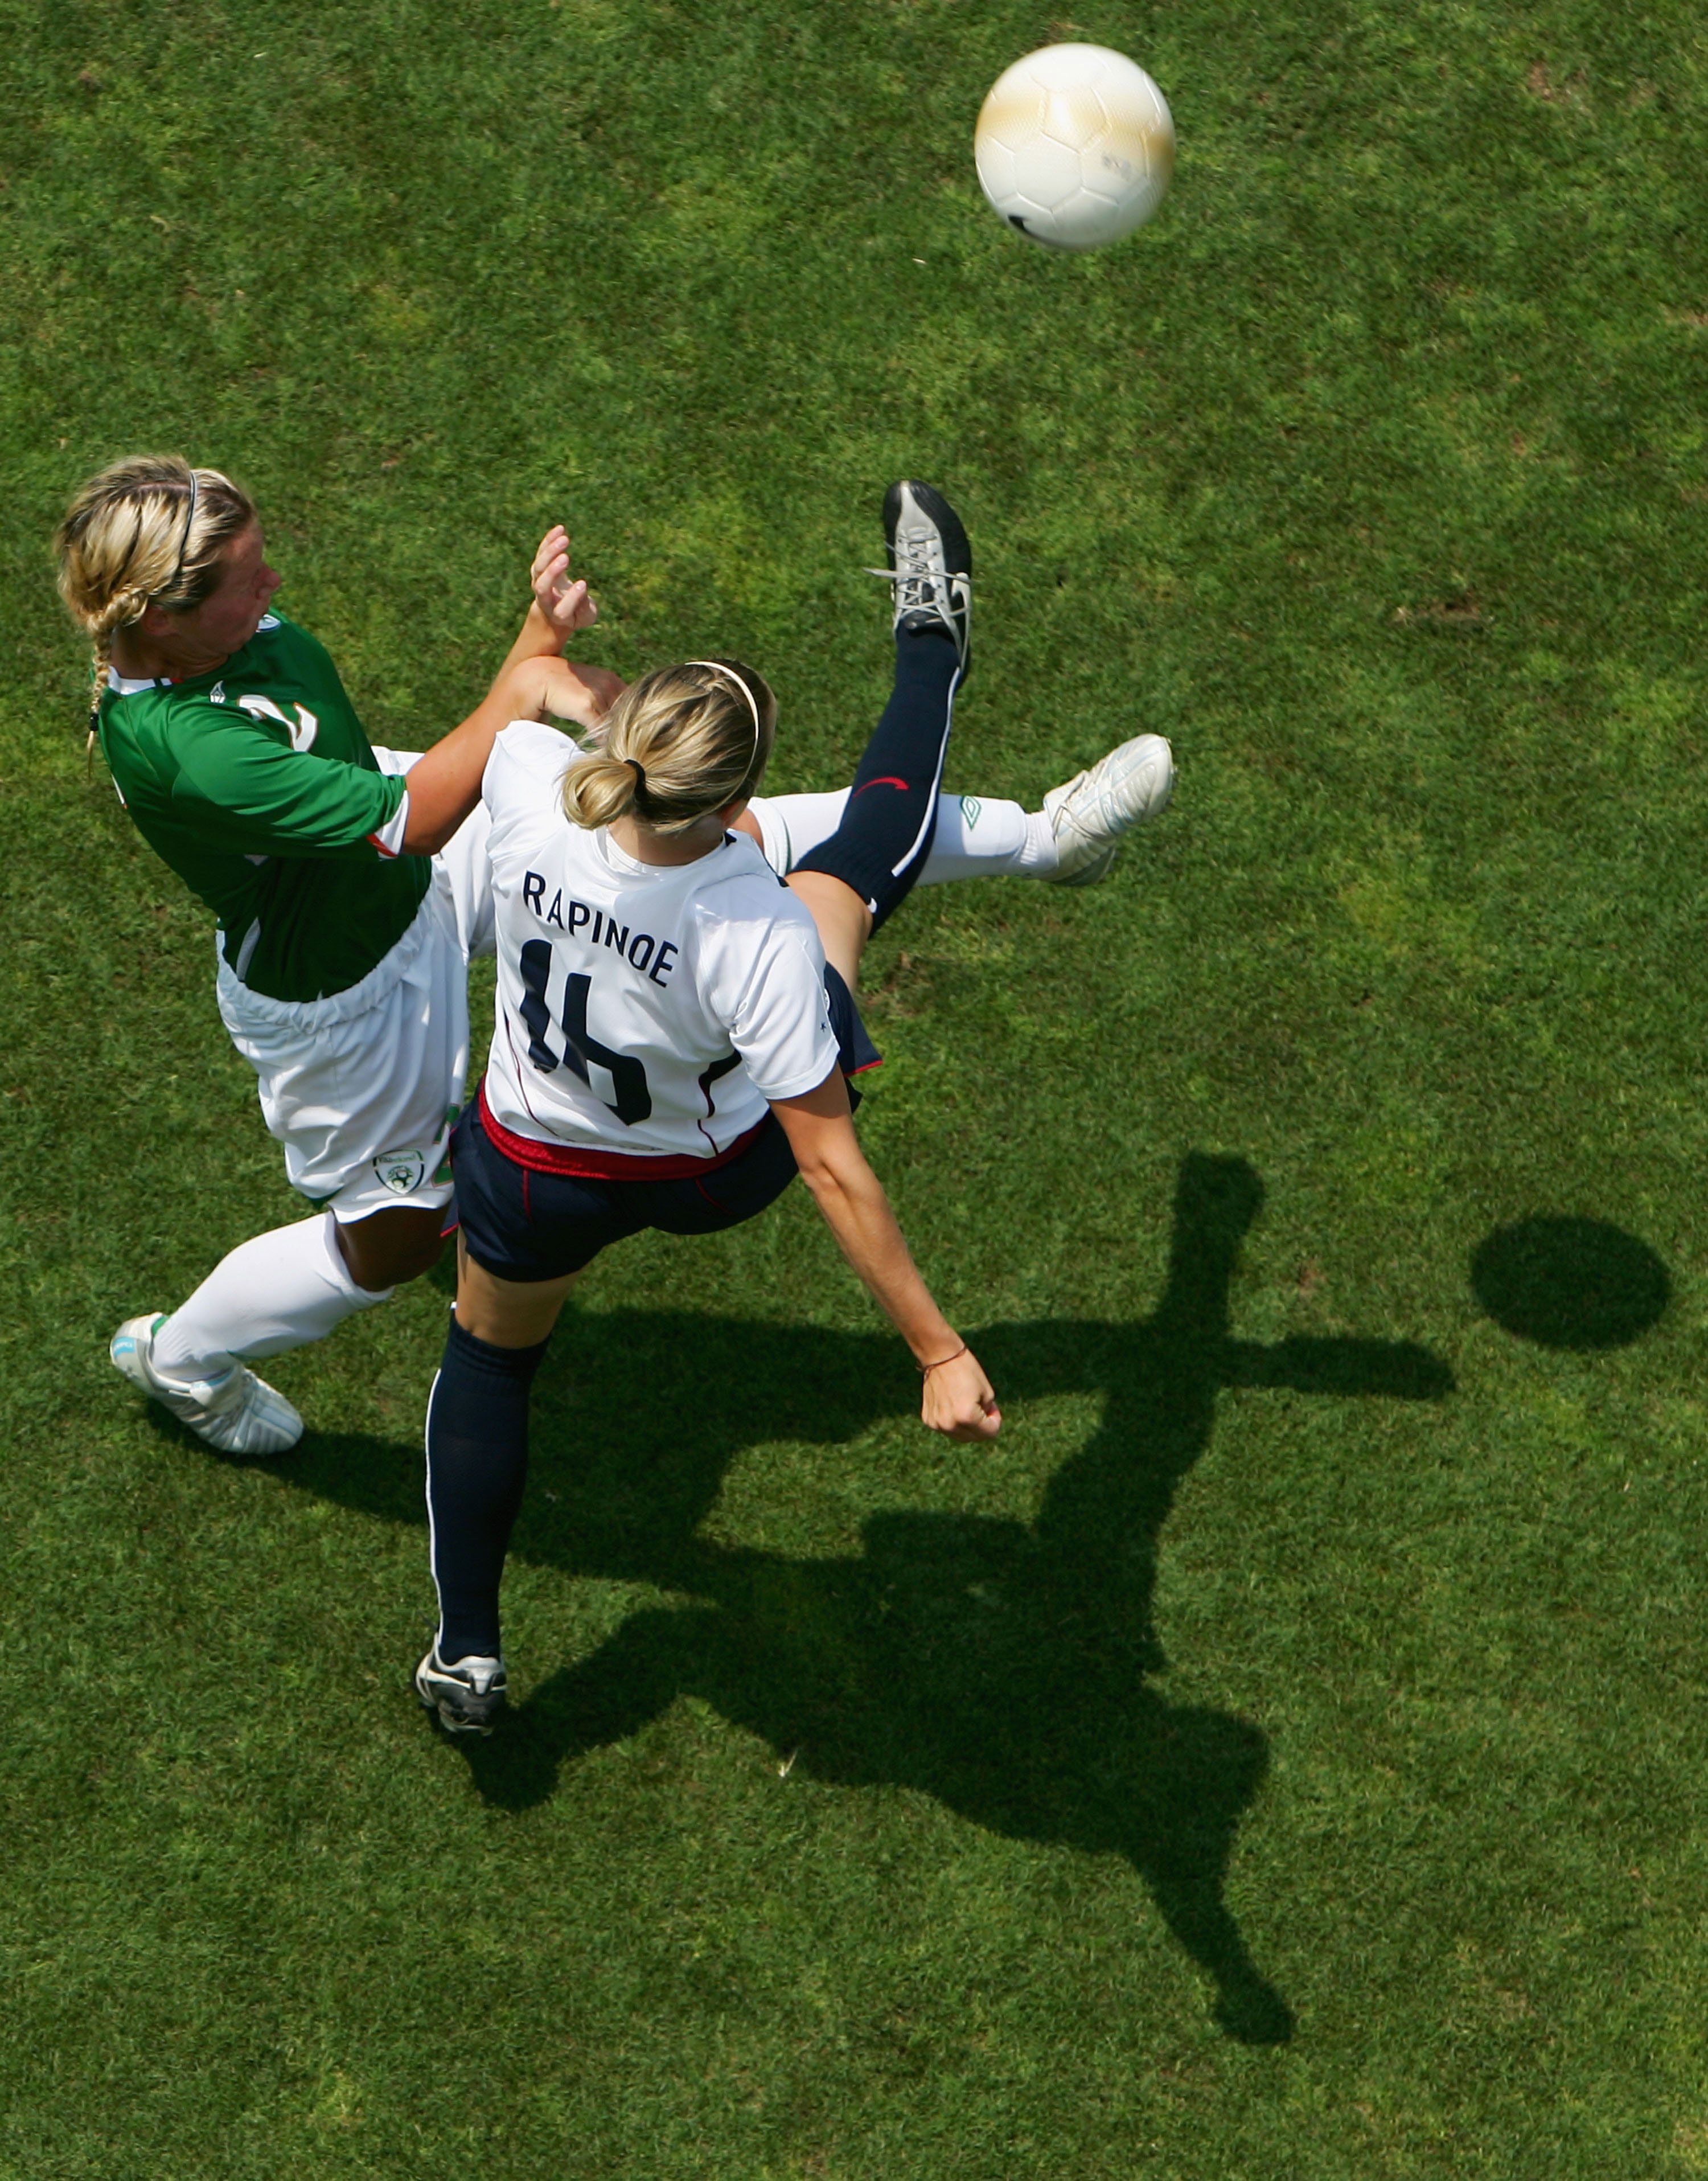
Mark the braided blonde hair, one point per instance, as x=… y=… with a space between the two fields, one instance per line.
x=147 y=531
x=678 y=744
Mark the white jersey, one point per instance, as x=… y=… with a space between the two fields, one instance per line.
x=643 y=1009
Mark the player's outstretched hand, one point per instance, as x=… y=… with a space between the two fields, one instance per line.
x=557 y=689
x=959 y=1401
x=566 y=604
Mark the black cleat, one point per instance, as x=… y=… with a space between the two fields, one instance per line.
x=930 y=563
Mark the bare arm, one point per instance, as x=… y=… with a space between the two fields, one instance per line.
x=445 y=785
x=560 y=608
x=534 y=680
x=957 y=1398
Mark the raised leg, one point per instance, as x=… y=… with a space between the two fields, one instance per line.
x=879 y=848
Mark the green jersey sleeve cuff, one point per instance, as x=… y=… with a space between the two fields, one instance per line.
x=389 y=838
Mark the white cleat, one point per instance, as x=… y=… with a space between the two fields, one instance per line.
x=1089 y=814
x=467 y=1695
x=236 y=1412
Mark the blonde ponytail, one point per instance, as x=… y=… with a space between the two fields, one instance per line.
x=678 y=744
x=147 y=531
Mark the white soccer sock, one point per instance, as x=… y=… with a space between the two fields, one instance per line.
x=975 y=838
x=980 y=840
x=276 y=1291
x=791 y=825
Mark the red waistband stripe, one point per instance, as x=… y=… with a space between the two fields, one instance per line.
x=571 y=1159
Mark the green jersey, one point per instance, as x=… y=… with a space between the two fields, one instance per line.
x=256 y=784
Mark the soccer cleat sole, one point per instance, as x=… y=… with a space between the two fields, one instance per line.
x=462 y=1706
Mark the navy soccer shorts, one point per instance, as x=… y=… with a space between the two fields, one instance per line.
x=520 y=1223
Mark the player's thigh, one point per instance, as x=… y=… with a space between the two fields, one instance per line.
x=507 y=1313
x=525 y=1226
x=389 y=1247
x=844 y=920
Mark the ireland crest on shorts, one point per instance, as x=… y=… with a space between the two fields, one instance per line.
x=402 y=1171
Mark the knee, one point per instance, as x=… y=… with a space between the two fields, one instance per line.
x=390 y=1248
x=412 y=1261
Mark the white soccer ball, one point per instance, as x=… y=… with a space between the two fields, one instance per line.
x=1075 y=145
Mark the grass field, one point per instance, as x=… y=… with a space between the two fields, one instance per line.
x=1283 y=1753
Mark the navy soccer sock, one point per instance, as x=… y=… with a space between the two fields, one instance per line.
x=880 y=846
x=477 y=1462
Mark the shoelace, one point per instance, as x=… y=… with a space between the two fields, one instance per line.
x=917 y=587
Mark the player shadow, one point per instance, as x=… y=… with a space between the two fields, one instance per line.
x=1000 y=1666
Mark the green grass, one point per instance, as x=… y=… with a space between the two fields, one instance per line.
x=1282 y=1754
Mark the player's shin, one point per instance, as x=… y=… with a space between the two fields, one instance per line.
x=977 y=836
x=981 y=839
x=477 y=1463
x=277 y=1291
x=881 y=846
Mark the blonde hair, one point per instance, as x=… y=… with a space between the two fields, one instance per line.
x=678 y=744
x=147 y=531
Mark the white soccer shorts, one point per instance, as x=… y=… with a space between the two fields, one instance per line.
x=362 y=1089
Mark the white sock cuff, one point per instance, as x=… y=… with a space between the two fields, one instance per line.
x=977 y=836
x=792 y=825
x=773 y=834
x=1040 y=858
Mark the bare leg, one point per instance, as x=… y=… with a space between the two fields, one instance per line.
x=844 y=921
x=388 y=1247
x=507 y=1313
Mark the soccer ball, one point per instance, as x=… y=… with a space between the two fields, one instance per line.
x=1075 y=145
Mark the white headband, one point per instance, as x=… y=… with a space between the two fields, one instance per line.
x=718 y=666
x=189 y=525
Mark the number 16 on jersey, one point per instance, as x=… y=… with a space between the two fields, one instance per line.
x=630 y=1101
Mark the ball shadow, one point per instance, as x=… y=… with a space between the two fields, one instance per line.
x=1570 y=1283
